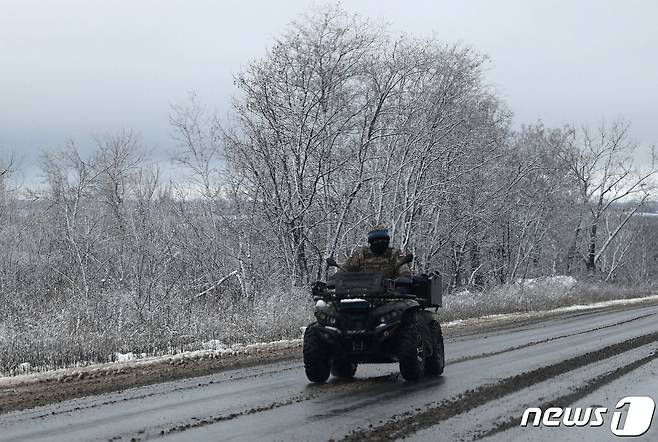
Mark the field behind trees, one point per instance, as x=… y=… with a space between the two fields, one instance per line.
x=340 y=126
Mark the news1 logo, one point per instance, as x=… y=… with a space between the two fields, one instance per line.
x=638 y=416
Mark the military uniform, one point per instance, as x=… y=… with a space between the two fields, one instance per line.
x=364 y=260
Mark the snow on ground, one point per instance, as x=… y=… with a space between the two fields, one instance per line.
x=562 y=281
x=123 y=357
x=217 y=350
x=571 y=308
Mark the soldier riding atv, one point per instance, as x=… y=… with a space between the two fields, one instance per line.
x=375 y=311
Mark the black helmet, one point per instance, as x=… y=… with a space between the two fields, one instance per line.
x=378 y=238
x=378 y=232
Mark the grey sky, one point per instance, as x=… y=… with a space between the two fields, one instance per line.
x=72 y=68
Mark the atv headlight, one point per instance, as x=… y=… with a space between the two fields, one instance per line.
x=325 y=319
x=390 y=316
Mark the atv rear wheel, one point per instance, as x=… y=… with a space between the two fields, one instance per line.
x=316 y=355
x=343 y=368
x=411 y=349
x=436 y=362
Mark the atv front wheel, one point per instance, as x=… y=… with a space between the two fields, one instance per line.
x=343 y=368
x=316 y=356
x=411 y=349
x=436 y=361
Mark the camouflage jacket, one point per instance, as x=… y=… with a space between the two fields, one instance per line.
x=363 y=260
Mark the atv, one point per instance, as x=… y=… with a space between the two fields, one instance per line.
x=364 y=317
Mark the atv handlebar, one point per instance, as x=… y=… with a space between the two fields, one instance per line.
x=322 y=291
x=382 y=297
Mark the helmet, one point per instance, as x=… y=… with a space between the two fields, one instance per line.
x=378 y=232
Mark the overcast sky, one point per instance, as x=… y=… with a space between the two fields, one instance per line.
x=73 y=68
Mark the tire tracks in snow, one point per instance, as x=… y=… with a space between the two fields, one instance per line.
x=346 y=387
x=569 y=398
x=544 y=341
x=196 y=385
x=410 y=422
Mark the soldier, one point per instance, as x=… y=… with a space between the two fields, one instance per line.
x=378 y=256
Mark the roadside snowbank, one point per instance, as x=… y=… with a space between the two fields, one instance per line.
x=130 y=360
x=538 y=314
x=534 y=295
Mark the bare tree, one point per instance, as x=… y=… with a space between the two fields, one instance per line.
x=6 y=166
x=603 y=165
x=338 y=129
x=7 y=169
x=297 y=123
x=71 y=179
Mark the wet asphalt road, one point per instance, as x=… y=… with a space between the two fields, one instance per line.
x=492 y=375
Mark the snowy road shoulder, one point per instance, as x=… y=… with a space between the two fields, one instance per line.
x=541 y=314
